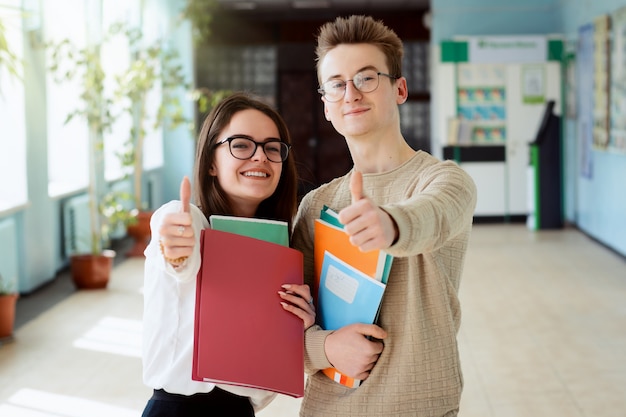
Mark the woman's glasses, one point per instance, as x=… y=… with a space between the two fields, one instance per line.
x=244 y=147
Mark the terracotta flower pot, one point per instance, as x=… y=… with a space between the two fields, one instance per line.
x=140 y=231
x=7 y=314
x=92 y=271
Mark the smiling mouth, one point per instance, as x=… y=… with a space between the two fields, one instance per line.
x=356 y=112
x=255 y=174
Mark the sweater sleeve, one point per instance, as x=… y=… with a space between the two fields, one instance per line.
x=302 y=239
x=314 y=354
x=440 y=207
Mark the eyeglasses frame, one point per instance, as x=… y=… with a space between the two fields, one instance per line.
x=256 y=146
x=378 y=73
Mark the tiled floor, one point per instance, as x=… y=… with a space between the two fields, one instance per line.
x=543 y=334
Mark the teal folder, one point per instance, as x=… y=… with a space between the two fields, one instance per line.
x=274 y=231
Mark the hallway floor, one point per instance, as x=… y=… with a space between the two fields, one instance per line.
x=543 y=334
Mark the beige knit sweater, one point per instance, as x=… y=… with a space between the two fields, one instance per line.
x=418 y=373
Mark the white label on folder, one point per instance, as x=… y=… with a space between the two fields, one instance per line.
x=341 y=284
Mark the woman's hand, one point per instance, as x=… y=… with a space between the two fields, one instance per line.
x=298 y=301
x=176 y=231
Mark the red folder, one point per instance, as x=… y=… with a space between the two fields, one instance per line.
x=243 y=336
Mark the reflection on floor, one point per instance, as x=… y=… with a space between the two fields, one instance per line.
x=543 y=334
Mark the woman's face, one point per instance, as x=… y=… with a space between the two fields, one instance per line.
x=247 y=182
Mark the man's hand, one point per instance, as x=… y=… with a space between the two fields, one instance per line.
x=351 y=352
x=368 y=226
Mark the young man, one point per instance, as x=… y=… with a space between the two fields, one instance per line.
x=405 y=202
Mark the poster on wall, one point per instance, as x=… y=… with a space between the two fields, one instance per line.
x=584 y=72
x=617 y=140
x=481 y=101
x=533 y=84
x=601 y=76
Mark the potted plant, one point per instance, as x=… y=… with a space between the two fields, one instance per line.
x=152 y=67
x=68 y=62
x=8 y=301
x=93 y=270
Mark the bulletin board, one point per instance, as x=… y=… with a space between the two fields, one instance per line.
x=617 y=139
x=601 y=76
x=481 y=99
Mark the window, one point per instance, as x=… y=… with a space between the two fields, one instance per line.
x=115 y=59
x=116 y=55
x=68 y=162
x=251 y=68
x=13 y=185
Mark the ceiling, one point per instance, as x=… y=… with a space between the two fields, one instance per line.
x=296 y=20
x=316 y=6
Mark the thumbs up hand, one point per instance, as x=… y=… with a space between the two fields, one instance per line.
x=185 y=195
x=368 y=226
x=356 y=186
x=177 y=234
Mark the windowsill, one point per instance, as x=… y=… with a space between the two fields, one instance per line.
x=7 y=210
x=59 y=190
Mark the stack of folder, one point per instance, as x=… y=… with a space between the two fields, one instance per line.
x=243 y=336
x=350 y=283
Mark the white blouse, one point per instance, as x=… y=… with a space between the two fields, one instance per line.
x=168 y=318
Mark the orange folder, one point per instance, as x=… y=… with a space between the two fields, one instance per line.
x=334 y=240
x=243 y=336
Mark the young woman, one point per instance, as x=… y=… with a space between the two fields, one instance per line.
x=243 y=168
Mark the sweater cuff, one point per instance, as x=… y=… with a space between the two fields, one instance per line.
x=315 y=356
x=401 y=244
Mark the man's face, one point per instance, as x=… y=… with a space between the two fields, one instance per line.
x=359 y=113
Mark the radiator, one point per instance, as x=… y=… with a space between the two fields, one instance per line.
x=8 y=252
x=76 y=225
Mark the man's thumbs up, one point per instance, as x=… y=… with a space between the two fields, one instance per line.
x=356 y=186
x=368 y=226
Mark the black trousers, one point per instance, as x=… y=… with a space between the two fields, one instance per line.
x=217 y=403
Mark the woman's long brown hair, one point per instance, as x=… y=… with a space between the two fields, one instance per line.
x=209 y=195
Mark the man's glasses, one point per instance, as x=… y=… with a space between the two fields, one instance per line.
x=243 y=147
x=364 y=81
